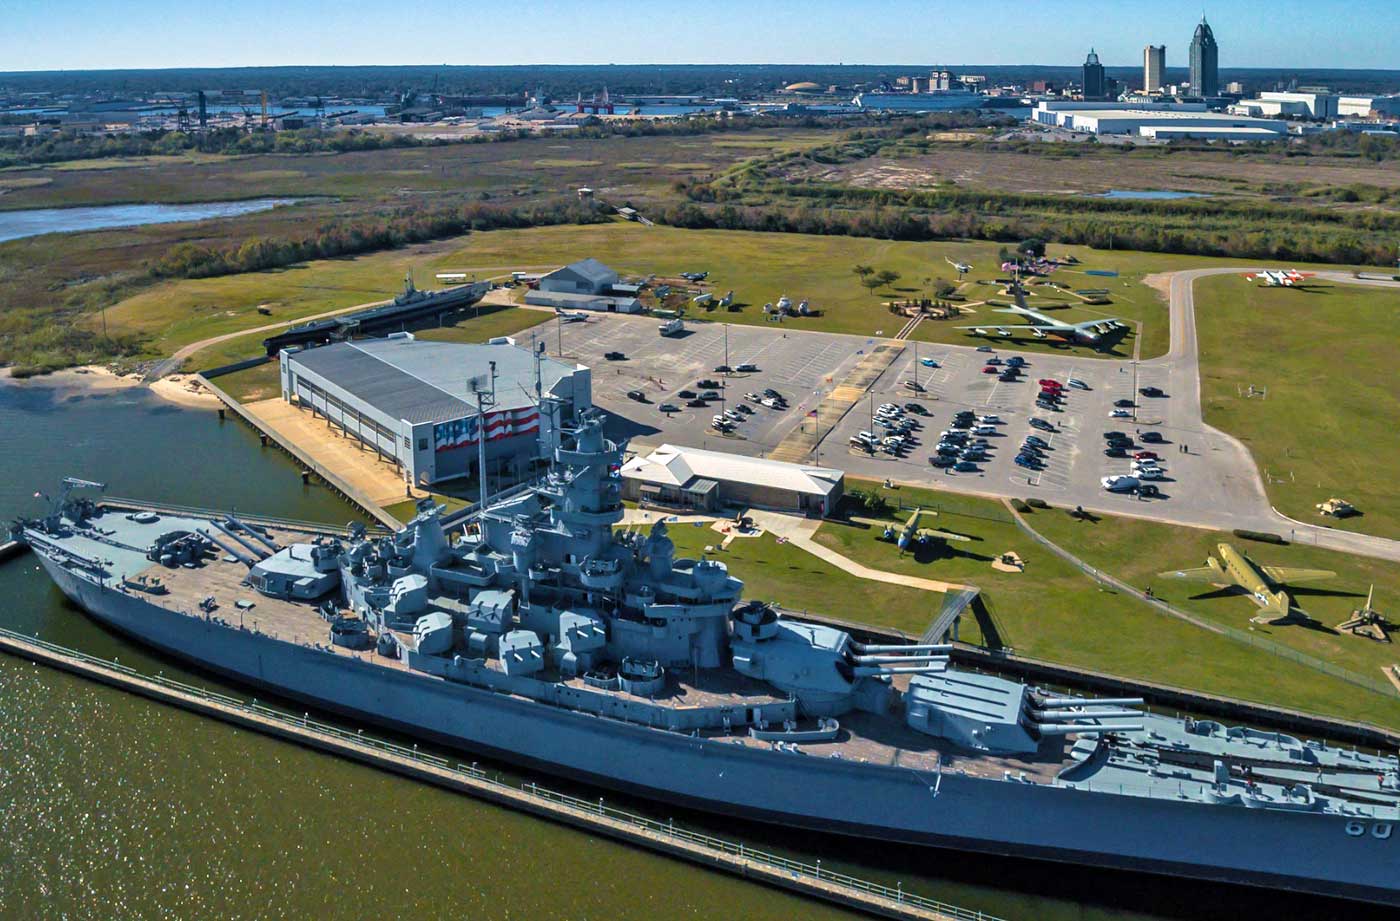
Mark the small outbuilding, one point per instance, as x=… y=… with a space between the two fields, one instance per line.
x=584 y=285
x=697 y=480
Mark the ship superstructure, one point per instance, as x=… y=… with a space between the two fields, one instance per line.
x=545 y=632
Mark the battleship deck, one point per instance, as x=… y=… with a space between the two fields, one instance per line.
x=863 y=739
x=806 y=879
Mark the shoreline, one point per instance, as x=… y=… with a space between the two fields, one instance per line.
x=179 y=389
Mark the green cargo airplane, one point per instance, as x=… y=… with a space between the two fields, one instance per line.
x=1232 y=569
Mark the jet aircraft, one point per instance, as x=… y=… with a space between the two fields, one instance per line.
x=695 y=276
x=1271 y=278
x=1090 y=332
x=567 y=317
x=1228 y=568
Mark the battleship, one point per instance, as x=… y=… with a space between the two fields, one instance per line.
x=543 y=632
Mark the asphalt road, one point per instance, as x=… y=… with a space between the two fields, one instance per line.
x=1212 y=480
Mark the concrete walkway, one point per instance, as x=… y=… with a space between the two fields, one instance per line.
x=801 y=532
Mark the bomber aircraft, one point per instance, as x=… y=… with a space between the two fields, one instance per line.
x=1230 y=569
x=911 y=533
x=1090 y=332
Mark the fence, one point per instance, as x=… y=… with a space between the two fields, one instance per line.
x=667 y=830
x=1240 y=636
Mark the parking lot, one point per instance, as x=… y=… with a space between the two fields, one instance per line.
x=1073 y=460
x=1202 y=469
x=803 y=367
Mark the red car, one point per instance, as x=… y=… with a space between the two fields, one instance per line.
x=1146 y=455
x=990 y=369
x=1047 y=382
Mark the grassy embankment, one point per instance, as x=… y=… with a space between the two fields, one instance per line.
x=1327 y=356
x=51 y=287
x=1137 y=551
x=1052 y=611
x=759 y=267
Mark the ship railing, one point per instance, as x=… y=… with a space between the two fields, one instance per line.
x=666 y=830
x=297 y=524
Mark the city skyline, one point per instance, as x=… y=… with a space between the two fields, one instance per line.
x=145 y=34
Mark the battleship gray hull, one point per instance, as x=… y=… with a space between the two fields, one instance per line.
x=1307 y=852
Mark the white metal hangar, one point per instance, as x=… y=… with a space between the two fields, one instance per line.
x=415 y=402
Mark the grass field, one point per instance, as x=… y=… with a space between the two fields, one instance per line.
x=1137 y=551
x=1054 y=612
x=261 y=382
x=1078 y=168
x=1327 y=355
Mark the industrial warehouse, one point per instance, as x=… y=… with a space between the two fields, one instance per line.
x=707 y=481
x=418 y=404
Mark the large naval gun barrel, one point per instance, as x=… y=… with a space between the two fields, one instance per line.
x=885 y=660
x=863 y=648
x=1059 y=729
x=1054 y=703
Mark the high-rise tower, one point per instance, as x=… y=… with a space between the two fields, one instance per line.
x=1093 y=77
x=1205 y=61
x=1154 y=63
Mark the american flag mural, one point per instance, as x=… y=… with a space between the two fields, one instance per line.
x=463 y=432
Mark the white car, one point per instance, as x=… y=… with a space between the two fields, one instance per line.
x=1150 y=473
x=1119 y=483
x=989 y=419
x=1077 y=384
x=985 y=430
x=1120 y=414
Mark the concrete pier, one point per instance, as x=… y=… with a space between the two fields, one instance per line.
x=596 y=817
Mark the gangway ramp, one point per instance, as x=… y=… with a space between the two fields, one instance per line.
x=954 y=603
x=800 y=443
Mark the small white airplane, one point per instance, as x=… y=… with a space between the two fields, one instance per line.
x=1279 y=278
x=727 y=299
x=567 y=317
x=979 y=331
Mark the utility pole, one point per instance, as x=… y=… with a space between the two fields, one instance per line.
x=726 y=345
x=559 y=326
x=485 y=390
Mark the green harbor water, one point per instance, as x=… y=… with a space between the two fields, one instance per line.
x=115 y=807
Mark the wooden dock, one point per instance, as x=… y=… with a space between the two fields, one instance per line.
x=595 y=817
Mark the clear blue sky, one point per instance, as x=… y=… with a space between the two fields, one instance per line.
x=99 y=34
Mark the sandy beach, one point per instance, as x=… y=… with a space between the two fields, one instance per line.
x=180 y=389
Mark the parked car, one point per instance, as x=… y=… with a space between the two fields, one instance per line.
x=746 y=368
x=1027 y=461
x=1037 y=441
x=1114 y=452
x=985 y=348
x=753 y=397
x=963 y=466
x=1015 y=361
x=916 y=409
x=1076 y=383
x=615 y=356
x=990 y=369
x=1124 y=403
x=1119 y=483
x=1146 y=455
x=1007 y=377
x=1148 y=491
x=696 y=403
x=723 y=369
x=710 y=395
x=745 y=408
x=1108 y=436
x=1152 y=437
x=941 y=460
x=686 y=394
x=1151 y=391
x=1120 y=414
x=708 y=384
x=1044 y=425
x=993 y=360
x=1050 y=382
x=669 y=408
x=637 y=395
